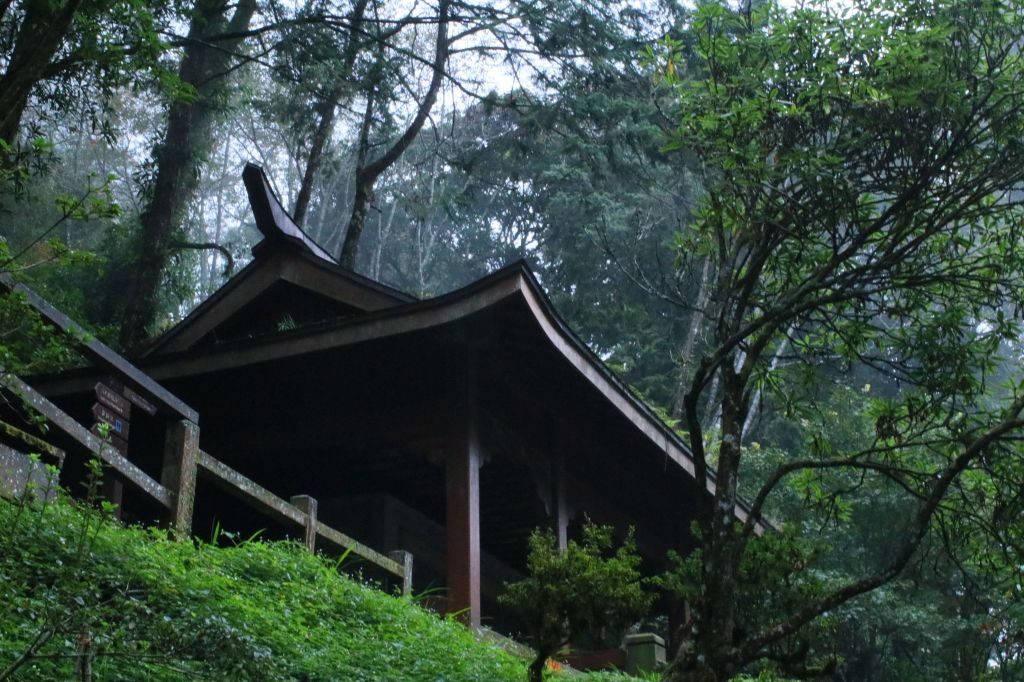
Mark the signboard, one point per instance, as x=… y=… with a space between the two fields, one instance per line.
x=111 y=412
x=118 y=425
x=114 y=410
x=113 y=400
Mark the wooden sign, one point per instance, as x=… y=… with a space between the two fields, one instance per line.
x=113 y=400
x=104 y=415
x=139 y=402
x=114 y=410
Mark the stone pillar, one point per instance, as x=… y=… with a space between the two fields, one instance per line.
x=645 y=652
x=405 y=559
x=307 y=505
x=181 y=452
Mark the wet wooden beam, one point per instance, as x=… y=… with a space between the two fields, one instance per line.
x=359 y=549
x=99 y=353
x=95 y=445
x=247 y=490
x=373 y=326
x=424 y=538
x=34 y=443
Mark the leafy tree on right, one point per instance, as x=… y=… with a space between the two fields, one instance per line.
x=862 y=171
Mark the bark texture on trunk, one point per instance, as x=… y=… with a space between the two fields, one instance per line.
x=180 y=155
x=710 y=651
x=717 y=639
x=40 y=36
x=316 y=150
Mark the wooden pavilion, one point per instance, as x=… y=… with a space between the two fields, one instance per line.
x=449 y=427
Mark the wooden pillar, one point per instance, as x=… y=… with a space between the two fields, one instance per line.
x=560 y=505
x=307 y=505
x=181 y=452
x=462 y=515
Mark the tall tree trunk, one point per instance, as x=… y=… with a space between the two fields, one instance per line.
x=323 y=131
x=328 y=111
x=383 y=234
x=697 y=320
x=181 y=154
x=718 y=603
x=363 y=198
x=40 y=36
x=367 y=174
x=710 y=651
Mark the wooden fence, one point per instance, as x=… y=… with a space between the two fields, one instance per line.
x=183 y=461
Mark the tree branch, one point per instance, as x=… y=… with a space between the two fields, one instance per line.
x=941 y=482
x=209 y=246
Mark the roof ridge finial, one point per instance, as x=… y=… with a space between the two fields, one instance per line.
x=272 y=219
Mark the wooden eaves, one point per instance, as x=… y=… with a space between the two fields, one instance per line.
x=515 y=280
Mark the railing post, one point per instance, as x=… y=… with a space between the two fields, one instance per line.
x=403 y=558
x=181 y=451
x=307 y=505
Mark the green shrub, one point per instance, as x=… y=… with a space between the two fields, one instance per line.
x=588 y=585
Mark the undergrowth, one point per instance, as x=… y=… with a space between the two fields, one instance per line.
x=78 y=589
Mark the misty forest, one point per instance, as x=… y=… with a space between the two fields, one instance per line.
x=794 y=230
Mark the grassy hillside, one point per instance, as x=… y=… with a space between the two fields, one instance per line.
x=71 y=580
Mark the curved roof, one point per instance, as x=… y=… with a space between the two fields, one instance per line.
x=515 y=280
x=288 y=255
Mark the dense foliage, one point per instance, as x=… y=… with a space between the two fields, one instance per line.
x=586 y=585
x=150 y=607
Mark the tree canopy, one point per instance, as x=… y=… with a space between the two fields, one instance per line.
x=862 y=173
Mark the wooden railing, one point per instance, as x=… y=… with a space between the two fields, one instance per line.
x=301 y=510
x=176 y=489
x=182 y=460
